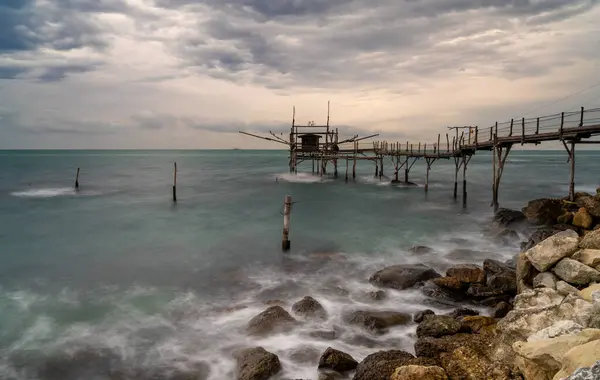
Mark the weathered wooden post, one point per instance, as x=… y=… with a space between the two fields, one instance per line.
x=347 y=169
x=581 y=117
x=512 y=122
x=175 y=182
x=77 y=180
x=287 y=211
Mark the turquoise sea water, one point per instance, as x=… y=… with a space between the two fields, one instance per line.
x=117 y=272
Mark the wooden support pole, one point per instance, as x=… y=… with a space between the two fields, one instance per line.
x=496 y=131
x=491 y=133
x=406 y=170
x=347 y=169
x=429 y=162
x=175 y=182
x=447 y=143
x=456 y=177
x=562 y=123
x=502 y=154
x=287 y=211
x=522 y=131
x=77 y=180
x=494 y=164
x=581 y=117
x=512 y=122
x=438 y=146
x=476 y=135
x=376 y=169
x=380 y=167
x=465 y=162
x=572 y=179
x=537 y=126
x=354 y=164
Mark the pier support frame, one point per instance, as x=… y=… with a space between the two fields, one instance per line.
x=430 y=161
x=500 y=154
x=456 y=170
x=465 y=162
x=571 y=160
x=408 y=167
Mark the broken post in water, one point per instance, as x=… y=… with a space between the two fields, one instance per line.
x=287 y=211
x=77 y=180
x=175 y=182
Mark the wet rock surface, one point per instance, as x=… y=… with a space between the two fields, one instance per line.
x=309 y=307
x=273 y=320
x=403 y=276
x=256 y=364
x=337 y=361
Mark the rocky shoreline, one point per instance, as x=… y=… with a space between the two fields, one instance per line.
x=543 y=309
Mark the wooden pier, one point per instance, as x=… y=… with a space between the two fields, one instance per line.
x=570 y=128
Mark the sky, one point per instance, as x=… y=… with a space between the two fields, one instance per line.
x=187 y=74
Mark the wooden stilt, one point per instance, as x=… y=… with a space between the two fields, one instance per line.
x=376 y=169
x=354 y=163
x=571 y=160
x=287 y=211
x=77 y=180
x=380 y=167
x=502 y=154
x=346 y=169
x=456 y=168
x=429 y=161
x=175 y=182
x=465 y=162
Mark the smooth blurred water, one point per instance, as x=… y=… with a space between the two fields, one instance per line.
x=117 y=257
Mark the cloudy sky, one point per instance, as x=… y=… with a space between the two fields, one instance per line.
x=191 y=73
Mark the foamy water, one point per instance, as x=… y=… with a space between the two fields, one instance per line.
x=52 y=192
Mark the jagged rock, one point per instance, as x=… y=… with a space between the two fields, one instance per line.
x=574 y=272
x=585 y=355
x=494 y=267
x=587 y=373
x=583 y=219
x=309 y=307
x=420 y=316
x=586 y=293
x=382 y=364
x=421 y=249
x=451 y=283
x=505 y=217
x=501 y=309
x=377 y=295
x=415 y=372
x=525 y=272
x=557 y=329
x=256 y=364
x=483 y=291
x=506 y=282
x=545 y=280
x=468 y=273
x=565 y=289
x=547 y=253
x=462 y=312
x=589 y=257
x=337 y=360
x=591 y=204
x=543 y=211
x=403 y=276
x=330 y=375
x=274 y=319
x=538 y=236
x=438 y=325
x=441 y=296
x=477 y=324
x=566 y=218
x=377 y=321
x=591 y=240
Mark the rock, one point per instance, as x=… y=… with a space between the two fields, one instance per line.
x=330 y=375
x=421 y=249
x=403 y=276
x=538 y=236
x=591 y=204
x=547 y=253
x=418 y=318
x=543 y=211
x=451 y=283
x=309 y=307
x=468 y=273
x=505 y=217
x=494 y=267
x=442 y=296
x=337 y=360
x=378 y=321
x=483 y=291
x=566 y=218
x=545 y=280
x=565 y=289
x=274 y=319
x=382 y=364
x=574 y=272
x=477 y=324
x=591 y=240
x=324 y=334
x=493 y=301
x=586 y=293
x=377 y=295
x=583 y=219
x=585 y=355
x=501 y=309
x=548 y=354
x=415 y=372
x=438 y=325
x=525 y=272
x=462 y=312
x=506 y=282
x=587 y=373
x=256 y=364
x=557 y=329
x=589 y=257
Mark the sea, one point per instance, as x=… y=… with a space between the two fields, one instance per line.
x=115 y=281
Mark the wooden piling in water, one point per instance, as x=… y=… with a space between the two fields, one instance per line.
x=77 y=180
x=175 y=182
x=287 y=211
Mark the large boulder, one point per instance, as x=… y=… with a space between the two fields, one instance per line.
x=309 y=307
x=503 y=281
x=574 y=272
x=438 y=325
x=585 y=355
x=421 y=315
x=588 y=293
x=450 y=283
x=589 y=257
x=545 y=280
x=583 y=219
x=500 y=310
x=525 y=272
x=377 y=321
x=403 y=276
x=591 y=240
x=417 y=372
x=467 y=273
x=591 y=204
x=543 y=211
x=586 y=373
x=256 y=364
x=273 y=320
x=506 y=217
x=491 y=267
x=337 y=361
x=547 y=253
x=557 y=329
x=382 y=364
x=478 y=324
x=565 y=289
